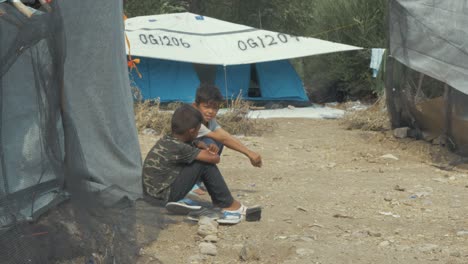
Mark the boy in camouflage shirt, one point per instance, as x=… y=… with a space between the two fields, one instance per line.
x=175 y=164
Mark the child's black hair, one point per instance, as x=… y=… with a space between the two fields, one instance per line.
x=208 y=93
x=185 y=118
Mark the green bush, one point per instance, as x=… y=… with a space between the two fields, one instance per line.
x=354 y=22
x=358 y=22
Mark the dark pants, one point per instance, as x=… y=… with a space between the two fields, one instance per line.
x=210 y=175
x=209 y=141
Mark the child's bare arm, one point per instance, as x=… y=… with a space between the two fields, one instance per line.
x=212 y=148
x=231 y=142
x=208 y=157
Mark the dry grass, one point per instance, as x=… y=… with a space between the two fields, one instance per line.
x=374 y=118
x=235 y=120
x=149 y=115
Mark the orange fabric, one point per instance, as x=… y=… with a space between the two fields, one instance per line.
x=131 y=63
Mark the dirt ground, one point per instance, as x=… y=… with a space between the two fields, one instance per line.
x=331 y=195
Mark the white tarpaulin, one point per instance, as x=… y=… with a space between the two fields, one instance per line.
x=199 y=39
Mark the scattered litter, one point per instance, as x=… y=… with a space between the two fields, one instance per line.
x=342 y=216
x=316 y=225
x=308 y=238
x=427 y=248
x=439 y=179
x=389 y=156
x=302 y=252
x=420 y=192
x=300 y=208
x=419 y=195
x=316 y=112
x=390 y=214
x=149 y=132
x=462 y=233
x=384 y=243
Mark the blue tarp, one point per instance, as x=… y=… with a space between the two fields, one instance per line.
x=238 y=80
x=178 y=81
x=169 y=81
x=279 y=81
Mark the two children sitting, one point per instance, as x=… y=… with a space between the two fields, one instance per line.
x=178 y=161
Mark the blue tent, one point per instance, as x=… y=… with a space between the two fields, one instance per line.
x=177 y=81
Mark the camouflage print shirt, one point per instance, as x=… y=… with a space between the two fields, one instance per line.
x=163 y=165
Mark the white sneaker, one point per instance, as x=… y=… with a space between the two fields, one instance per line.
x=232 y=217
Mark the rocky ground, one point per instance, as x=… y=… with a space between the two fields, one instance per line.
x=330 y=195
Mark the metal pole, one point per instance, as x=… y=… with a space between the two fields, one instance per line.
x=448 y=115
x=2 y=156
x=226 y=85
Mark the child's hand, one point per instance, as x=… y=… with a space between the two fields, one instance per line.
x=213 y=149
x=255 y=159
x=201 y=145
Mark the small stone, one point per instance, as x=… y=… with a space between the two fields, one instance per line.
x=427 y=248
x=455 y=254
x=237 y=247
x=196 y=259
x=143 y=260
x=302 y=252
x=211 y=238
x=384 y=243
x=375 y=234
x=208 y=249
x=249 y=252
x=207 y=221
x=360 y=233
x=308 y=238
x=205 y=230
x=402 y=248
x=401 y=132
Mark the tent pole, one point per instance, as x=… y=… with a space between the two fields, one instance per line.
x=448 y=116
x=225 y=85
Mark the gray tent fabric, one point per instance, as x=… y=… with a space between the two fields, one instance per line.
x=31 y=174
x=427 y=70
x=432 y=37
x=67 y=129
x=98 y=93
x=53 y=69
